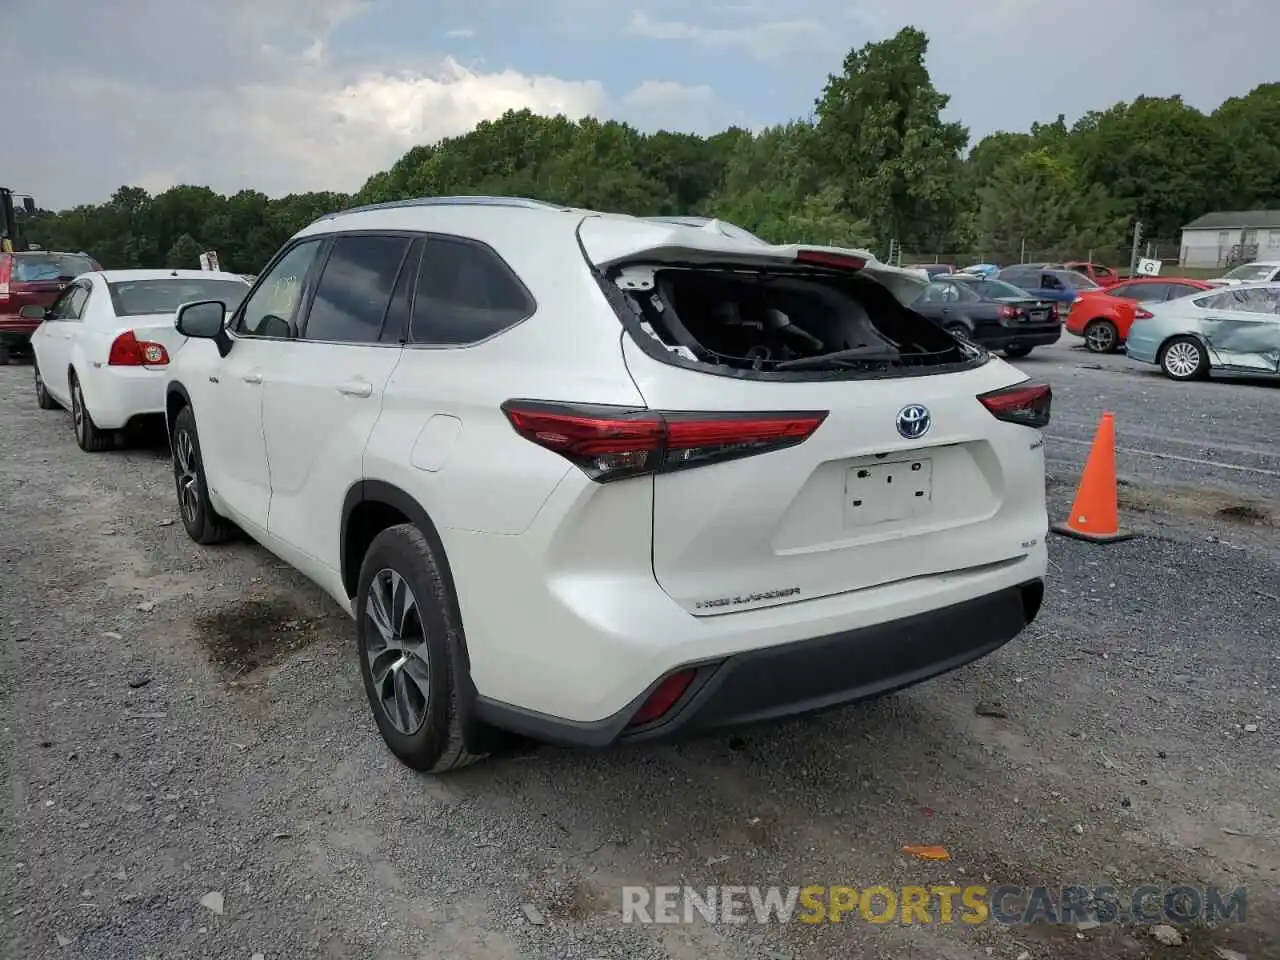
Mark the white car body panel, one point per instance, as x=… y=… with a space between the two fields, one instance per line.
x=113 y=395
x=576 y=596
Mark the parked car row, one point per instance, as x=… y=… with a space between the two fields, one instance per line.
x=587 y=477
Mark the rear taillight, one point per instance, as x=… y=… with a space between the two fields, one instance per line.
x=1008 y=313
x=1140 y=314
x=613 y=443
x=664 y=697
x=6 y=274
x=836 y=261
x=128 y=351
x=1053 y=311
x=1024 y=403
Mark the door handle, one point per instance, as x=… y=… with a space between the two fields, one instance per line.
x=356 y=388
x=253 y=378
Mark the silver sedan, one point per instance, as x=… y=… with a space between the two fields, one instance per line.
x=1226 y=331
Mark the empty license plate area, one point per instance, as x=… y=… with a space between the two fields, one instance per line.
x=1038 y=316
x=877 y=493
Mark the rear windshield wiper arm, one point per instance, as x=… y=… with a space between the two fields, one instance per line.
x=866 y=353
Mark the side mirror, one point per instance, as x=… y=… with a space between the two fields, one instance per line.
x=33 y=312
x=205 y=320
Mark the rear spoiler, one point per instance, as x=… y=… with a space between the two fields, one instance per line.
x=611 y=241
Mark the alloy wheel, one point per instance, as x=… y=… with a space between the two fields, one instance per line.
x=187 y=476
x=77 y=409
x=1182 y=359
x=1100 y=337
x=396 y=649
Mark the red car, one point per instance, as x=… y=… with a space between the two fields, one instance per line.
x=1103 y=317
x=1102 y=276
x=32 y=278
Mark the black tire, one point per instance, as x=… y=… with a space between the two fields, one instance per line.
x=44 y=399
x=89 y=438
x=1016 y=350
x=203 y=524
x=1184 y=347
x=1101 y=336
x=401 y=557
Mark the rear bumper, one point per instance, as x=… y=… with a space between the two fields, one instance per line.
x=807 y=676
x=117 y=397
x=17 y=328
x=1038 y=335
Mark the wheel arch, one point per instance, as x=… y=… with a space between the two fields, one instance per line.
x=372 y=506
x=176 y=398
x=1187 y=335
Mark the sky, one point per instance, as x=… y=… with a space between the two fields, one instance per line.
x=293 y=95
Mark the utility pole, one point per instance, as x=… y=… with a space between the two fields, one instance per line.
x=1137 y=246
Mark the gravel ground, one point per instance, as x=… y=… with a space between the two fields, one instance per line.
x=180 y=722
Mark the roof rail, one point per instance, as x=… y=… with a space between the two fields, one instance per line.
x=520 y=202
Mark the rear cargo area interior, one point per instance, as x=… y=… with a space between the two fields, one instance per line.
x=777 y=321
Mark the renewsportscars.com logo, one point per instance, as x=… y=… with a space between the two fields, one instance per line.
x=972 y=904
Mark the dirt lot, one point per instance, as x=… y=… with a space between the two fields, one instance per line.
x=180 y=722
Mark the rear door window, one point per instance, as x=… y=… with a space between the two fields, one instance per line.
x=355 y=288
x=465 y=293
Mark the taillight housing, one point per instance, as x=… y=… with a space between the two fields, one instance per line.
x=1141 y=314
x=1053 y=311
x=613 y=443
x=128 y=351
x=665 y=696
x=1008 y=313
x=6 y=274
x=1027 y=404
x=835 y=261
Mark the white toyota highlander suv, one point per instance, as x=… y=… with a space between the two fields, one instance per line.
x=590 y=477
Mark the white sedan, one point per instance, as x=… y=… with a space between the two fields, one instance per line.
x=103 y=348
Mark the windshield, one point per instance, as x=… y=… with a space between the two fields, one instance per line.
x=1251 y=271
x=135 y=298
x=29 y=267
x=997 y=289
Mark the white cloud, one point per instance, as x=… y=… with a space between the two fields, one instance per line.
x=461 y=33
x=662 y=104
x=278 y=111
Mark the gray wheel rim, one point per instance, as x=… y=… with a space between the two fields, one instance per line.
x=77 y=410
x=396 y=650
x=1182 y=359
x=1099 y=337
x=184 y=449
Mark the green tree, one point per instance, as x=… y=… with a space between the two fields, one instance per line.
x=184 y=254
x=1039 y=198
x=883 y=141
x=1251 y=128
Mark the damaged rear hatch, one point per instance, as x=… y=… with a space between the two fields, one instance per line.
x=823 y=438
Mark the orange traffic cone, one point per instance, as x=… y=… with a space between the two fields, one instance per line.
x=1094 y=515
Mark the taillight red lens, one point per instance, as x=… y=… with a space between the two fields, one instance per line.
x=128 y=351
x=612 y=443
x=837 y=261
x=1027 y=404
x=6 y=274
x=663 y=698
x=1141 y=314
x=1008 y=312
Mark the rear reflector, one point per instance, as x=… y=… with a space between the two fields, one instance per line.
x=613 y=443
x=128 y=351
x=1024 y=403
x=836 y=261
x=663 y=698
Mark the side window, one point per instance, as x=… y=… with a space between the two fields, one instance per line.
x=935 y=293
x=1147 y=292
x=1213 y=302
x=70 y=306
x=1049 y=282
x=270 y=309
x=465 y=293
x=355 y=289
x=1101 y=273
x=395 y=329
